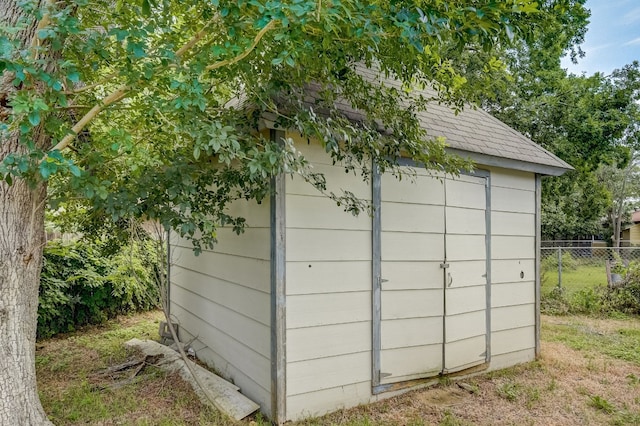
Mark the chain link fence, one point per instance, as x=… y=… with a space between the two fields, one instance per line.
x=575 y=265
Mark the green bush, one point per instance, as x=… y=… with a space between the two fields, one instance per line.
x=550 y=262
x=626 y=297
x=82 y=283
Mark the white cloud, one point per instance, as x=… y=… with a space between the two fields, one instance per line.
x=634 y=42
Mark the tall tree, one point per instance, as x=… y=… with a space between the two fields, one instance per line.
x=129 y=107
x=585 y=120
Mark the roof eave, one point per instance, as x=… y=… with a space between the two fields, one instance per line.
x=509 y=163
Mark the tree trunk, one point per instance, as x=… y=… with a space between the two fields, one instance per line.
x=21 y=241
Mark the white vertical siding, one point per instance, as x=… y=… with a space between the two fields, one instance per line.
x=222 y=297
x=328 y=312
x=513 y=253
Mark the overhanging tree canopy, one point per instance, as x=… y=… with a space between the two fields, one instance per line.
x=125 y=107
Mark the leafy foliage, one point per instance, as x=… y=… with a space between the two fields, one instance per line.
x=155 y=108
x=82 y=284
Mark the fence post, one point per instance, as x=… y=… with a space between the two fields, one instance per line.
x=559 y=267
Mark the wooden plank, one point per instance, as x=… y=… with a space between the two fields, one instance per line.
x=312 y=404
x=507 y=223
x=278 y=279
x=512 y=358
x=465 y=299
x=247 y=386
x=243 y=300
x=310 y=148
x=328 y=277
x=465 y=325
x=405 y=217
x=411 y=304
x=247 y=272
x=411 y=362
x=241 y=328
x=466 y=221
x=400 y=275
x=503 y=247
x=405 y=246
x=517 y=339
x=408 y=332
x=211 y=389
x=419 y=190
x=324 y=309
x=324 y=373
x=512 y=270
x=466 y=247
x=328 y=341
x=321 y=245
x=465 y=353
x=322 y=213
x=513 y=200
x=466 y=195
x=466 y=273
x=254 y=243
x=256 y=214
x=232 y=352
x=336 y=181
x=512 y=179
x=508 y=317
x=512 y=294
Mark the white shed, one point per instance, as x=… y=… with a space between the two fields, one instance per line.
x=313 y=309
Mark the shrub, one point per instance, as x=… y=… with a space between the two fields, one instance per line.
x=83 y=284
x=550 y=262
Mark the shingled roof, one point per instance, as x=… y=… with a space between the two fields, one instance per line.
x=472 y=133
x=475 y=133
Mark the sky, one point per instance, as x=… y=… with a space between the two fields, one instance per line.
x=613 y=38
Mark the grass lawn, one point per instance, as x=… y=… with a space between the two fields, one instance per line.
x=589 y=373
x=579 y=278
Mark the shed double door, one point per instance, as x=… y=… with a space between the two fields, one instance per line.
x=433 y=277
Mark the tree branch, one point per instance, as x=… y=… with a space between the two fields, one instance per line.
x=97 y=109
x=246 y=53
x=122 y=91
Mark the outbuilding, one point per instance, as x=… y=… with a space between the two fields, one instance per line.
x=313 y=309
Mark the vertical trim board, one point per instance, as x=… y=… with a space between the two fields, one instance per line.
x=278 y=293
x=537 y=261
x=376 y=266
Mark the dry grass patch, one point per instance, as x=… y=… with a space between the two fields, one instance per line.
x=589 y=373
x=72 y=392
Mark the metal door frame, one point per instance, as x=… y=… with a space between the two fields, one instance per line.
x=376 y=265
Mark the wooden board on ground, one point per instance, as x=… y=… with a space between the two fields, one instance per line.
x=225 y=395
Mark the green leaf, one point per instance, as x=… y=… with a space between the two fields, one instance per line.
x=196 y=152
x=45 y=170
x=146 y=8
x=75 y=170
x=34 y=117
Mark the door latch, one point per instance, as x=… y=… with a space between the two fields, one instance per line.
x=444 y=265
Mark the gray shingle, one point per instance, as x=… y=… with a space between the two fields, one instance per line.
x=473 y=130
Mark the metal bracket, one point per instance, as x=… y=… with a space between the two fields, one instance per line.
x=444 y=265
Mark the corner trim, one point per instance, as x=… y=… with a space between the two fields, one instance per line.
x=376 y=269
x=278 y=293
x=538 y=282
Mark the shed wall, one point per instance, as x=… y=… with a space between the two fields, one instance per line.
x=222 y=297
x=329 y=284
x=328 y=263
x=513 y=258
